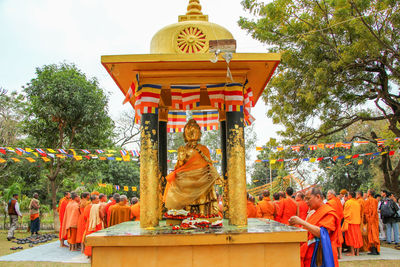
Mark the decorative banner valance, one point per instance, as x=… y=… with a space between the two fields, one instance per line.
x=176 y=121
x=207 y=119
x=147 y=97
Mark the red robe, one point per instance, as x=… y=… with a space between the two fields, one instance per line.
x=289 y=209
x=337 y=206
x=266 y=209
x=61 y=211
x=303 y=209
x=107 y=212
x=325 y=217
x=100 y=226
x=251 y=210
x=81 y=221
x=279 y=208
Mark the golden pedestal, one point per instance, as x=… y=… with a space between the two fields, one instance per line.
x=262 y=243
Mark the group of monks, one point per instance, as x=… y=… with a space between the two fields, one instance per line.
x=90 y=212
x=349 y=218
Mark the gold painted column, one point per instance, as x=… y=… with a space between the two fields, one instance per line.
x=149 y=171
x=236 y=168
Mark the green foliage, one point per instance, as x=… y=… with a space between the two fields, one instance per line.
x=340 y=65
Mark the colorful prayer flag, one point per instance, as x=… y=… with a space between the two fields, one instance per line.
x=126 y=188
x=176 y=121
x=132 y=89
x=207 y=119
x=216 y=93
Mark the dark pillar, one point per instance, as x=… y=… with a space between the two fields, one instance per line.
x=162 y=148
x=149 y=171
x=225 y=197
x=236 y=168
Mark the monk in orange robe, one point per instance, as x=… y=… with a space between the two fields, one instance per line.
x=351 y=224
x=135 y=209
x=265 y=208
x=103 y=204
x=277 y=203
x=371 y=218
x=85 y=201
x=324 y=216
x=363 y=227
x=107 y=210
x=120 y=212
x=251 y=208
x=94 y=220
x=303 y=207
x=61 y=210
x=70 y=222
x=335 y=203
x=289 y=207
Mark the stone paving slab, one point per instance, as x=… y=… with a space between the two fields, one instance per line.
x=48 y=252
x=386 y=254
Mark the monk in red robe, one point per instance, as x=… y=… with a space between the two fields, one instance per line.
x=265 y=207
x=70 y=222
x=277 y=203
x=303 y=207
x=363 y=227
x=135 y=209
x=251 y=208
x=94 y=220
x=289 y=207
x=335 y=203
x=324 y=216
x=107 y=210
x=351 y=224
x=85 y=201
x=61 y=210
x=371 y=218
x=120 y=212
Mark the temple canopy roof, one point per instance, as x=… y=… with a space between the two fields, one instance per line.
x=180 y=56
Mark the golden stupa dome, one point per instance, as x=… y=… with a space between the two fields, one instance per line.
x=190 y=35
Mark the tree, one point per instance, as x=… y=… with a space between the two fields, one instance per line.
x=340 y=64
x=126 y=131
x=65 y=110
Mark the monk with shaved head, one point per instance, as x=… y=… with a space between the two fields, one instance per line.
x=265 y=208
x=324 y=216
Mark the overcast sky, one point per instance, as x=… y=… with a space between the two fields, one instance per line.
x=39 y=32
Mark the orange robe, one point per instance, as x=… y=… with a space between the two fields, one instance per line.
x=99 y=226
x=61 y=211
x=81 y=221
x=266 y=209
x=108 y=212
x=351 y=223
x=325 y=217
x=372 y=218
x=303 y=209
x=70 y=222
x=337 y=206
x=279 y=208
x=289 y=209
x=135 y=211
x=119 y=213
x=364 y=234
x=251 y=210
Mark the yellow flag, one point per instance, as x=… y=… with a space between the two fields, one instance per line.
x=313 y=159
x=348 y=157
x=103 y=158
x=30 y=159
x=15 y=159
x=134 y=188
x=45 y=159
x=73 y=152
x=360 y=162
x=321 y=146
x=36 y=154
x=273 y=161
x=118 y=159
x=172 y=150
x=219 y=152
x=27 y=149
x=111 y=151
x=78 y=158
x=51 y=150
x=126 y=158
x=2 y=160
x=259 y=148
x=126 y=188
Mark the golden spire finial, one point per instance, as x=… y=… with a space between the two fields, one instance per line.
x=194 y=8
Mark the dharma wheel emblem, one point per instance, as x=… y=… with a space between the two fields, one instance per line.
x=191 y=40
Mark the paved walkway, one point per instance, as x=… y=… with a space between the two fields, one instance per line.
x=386 y=254
x=48 y=252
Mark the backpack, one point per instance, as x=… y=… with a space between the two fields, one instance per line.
x=387 y=208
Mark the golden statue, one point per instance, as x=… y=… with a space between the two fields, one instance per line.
x=191 y=185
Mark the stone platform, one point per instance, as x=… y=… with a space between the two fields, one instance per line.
x=262 y=243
